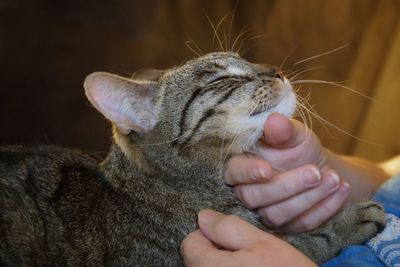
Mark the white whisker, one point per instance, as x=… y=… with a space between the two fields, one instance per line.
x=187 y=43
x=320 y=55
x=335 y=84
x=222 y=146
x=163 y=143
x=230 y=27
x=304 y=71
x=215 y=29
x=251 y=110
x=307 y=116
x=316 y=115
x=244 y=31
x=287 y=57
x=200 y=52
x=247 y=40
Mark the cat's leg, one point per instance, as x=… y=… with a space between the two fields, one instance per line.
x=353 y=225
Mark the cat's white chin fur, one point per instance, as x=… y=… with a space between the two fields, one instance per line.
x=250 y=129
x=285 y=107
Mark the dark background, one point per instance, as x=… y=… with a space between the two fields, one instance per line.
x=47 y=48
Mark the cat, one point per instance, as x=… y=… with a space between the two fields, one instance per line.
x=172 y=133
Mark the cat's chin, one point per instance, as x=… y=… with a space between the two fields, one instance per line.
x=287 y=105
x=249 y=129
x=255 y=130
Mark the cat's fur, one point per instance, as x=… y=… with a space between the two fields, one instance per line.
x=172 y=131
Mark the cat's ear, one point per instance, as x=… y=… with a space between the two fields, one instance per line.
x=148 y=75
x=129 y=104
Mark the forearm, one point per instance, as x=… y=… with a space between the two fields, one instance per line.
x=391 y=166
x=364 y=176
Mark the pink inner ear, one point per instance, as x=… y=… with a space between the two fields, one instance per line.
x=126 y=103
x=144 y=92
x=100 y=93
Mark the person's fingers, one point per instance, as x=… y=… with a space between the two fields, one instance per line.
x=242 y=169
x=285 y=211
x=282 y=186
x=229 y=231
x=195 y=246
x=320 y=213
x=280 y=132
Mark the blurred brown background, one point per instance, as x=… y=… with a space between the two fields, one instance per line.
x=47 y=48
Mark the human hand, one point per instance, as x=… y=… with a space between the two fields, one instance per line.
x=288 y=180
x=227 y=240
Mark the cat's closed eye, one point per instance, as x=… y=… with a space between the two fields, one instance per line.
x=227 y=77
x=219 y=78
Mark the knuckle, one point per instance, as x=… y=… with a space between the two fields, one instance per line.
x=228 y=178
x=287 y=188
x=308 y=199
x=186 y=243
x=305 y=225
x=230 y=174
x=331 y=208
x=309 y=166
x=247 y=196
x=274 y=216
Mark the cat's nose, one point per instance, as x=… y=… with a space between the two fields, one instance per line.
x=279 y=75
x=271 y=71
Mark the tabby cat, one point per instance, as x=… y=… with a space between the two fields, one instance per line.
x=173 y=130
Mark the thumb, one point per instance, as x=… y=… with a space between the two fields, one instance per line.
x=282 y=133
x=229 y=231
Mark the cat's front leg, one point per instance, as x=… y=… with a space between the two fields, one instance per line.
x=353 y=225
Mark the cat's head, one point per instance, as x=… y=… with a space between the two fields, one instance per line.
x=216 y=103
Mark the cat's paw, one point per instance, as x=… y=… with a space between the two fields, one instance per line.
x=352 y=226
x=362 y=221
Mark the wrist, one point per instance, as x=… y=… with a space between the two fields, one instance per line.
x=391 y=166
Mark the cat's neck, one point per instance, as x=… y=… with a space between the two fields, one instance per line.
x=120 y=171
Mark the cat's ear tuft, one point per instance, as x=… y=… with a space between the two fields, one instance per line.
x=130 y=105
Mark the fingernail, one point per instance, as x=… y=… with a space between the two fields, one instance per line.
x=344 y=189
x=311 y=176
x=259 y=173
x=206 y=216
x=332 y=180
